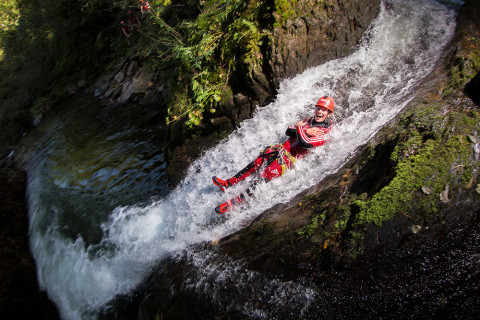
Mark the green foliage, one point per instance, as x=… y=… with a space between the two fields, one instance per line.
x=285 y=9
x=310 y=228
x=48 y=46
x=200 y=46
x=207 y=49
x=9 y=14
x=56 y=43
x=426 y=121
x=214 y=45
x=203 y=48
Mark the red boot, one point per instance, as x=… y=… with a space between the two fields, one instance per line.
x=224 y=207
x=222 y=184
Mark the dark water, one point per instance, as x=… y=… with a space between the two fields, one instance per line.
x=88 y=159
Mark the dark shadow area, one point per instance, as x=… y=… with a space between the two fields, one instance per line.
x=20 y=296
x=377 y=172
x=55 y=49
x=472 y=89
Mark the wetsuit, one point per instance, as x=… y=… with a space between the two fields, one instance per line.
x=278 y=158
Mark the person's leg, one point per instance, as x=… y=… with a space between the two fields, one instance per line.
x=273 y=170
x=247 y=171
x=224 y=207
x=241 y=175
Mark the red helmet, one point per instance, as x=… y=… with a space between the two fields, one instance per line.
x=326 y=102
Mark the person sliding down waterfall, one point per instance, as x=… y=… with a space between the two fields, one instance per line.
x=276 y=159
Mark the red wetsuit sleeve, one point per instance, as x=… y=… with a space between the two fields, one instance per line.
x=310 y=142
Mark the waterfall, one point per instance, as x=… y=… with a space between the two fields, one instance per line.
x=369 y=87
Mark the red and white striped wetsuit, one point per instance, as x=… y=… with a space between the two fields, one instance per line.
x=281 y=157
x=299 y=142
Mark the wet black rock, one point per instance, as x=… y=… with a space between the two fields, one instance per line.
x=20 y=297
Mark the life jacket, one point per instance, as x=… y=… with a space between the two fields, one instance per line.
x=280 y=154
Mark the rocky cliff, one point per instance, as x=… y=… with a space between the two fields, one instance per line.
x=395 y=232
x=320 y=31
x=317 y=32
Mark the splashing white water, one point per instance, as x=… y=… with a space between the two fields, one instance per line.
x=213 y=276
x=369 y=87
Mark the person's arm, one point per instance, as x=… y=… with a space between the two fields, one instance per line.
x=291 y=132
x=306 y=141
x=126 y=31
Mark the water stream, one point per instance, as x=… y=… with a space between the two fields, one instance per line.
x=100 y=212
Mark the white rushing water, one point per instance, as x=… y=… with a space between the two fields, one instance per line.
x=369 y=87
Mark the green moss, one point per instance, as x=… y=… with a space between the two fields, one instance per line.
x=433 y=163
x=467 y=174
x=356 y=236
x=310 y=229
x=407 y=148
x=424 y=123
x=9 y=14
x=464 y=66
x=344 y=213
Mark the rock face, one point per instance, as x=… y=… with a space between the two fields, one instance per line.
x=20 y=297
x=421 y=262
x=130 y=82
x=324 y=30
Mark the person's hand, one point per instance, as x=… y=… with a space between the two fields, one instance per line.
x=314 y=132
x=300 y=123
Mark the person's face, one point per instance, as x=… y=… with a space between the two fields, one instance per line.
x=321 y=113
